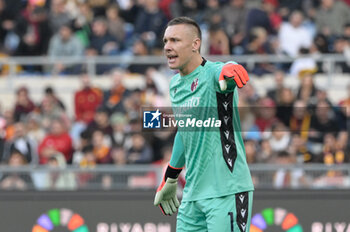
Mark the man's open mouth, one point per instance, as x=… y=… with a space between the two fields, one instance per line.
x=171 y=58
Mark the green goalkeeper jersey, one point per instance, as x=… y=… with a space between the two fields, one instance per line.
x=215 y=157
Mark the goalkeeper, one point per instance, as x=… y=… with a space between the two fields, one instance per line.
x=219 y=190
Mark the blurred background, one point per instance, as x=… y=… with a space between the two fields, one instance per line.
x=75 y=74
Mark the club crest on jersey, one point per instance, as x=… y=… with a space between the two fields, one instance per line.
x=194 y=84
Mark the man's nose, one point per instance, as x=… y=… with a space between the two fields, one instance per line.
x=167 y=47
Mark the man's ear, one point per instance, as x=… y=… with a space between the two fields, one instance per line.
x=196 y=45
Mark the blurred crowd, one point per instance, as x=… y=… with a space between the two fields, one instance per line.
x=134 y=28
x=283 y=126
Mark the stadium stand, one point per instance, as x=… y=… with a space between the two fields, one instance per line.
x=294 y=111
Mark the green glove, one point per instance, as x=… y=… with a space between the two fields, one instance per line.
x=166 y=197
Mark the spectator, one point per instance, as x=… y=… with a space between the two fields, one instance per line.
x=140 y=151
x=115 y=23
x=275 y=92
x=342 y=46
x=251 y=149
x=293 y=36
x=23 y=144
x=266 y=155
x=10 y=121
x=219 y=42
x=7 y=22
x=81 y=23
x=346 y=31
x=101 y=148
x=2 y=138
x=139 y=48
x=34 y=32
x=300 y=119
x=266 y=114
x=212 y=15
x=189 y=8
x=99 y=7
x=58 y=178
x=280 y=137
x=304 y=62
x=24 y=105
x=288 y=6
x=34 y=129
x=65 y=44
x=322 y=122
x=101 y=42
x=153 y=93
x=50 y=96
x=57 y=141
x=259 y=17
x=233 y=16
x=133 y=103
x=299 y=148
x=307 y=89
x=332 y=152
x=85 y=160
x=285 y=178
x=285 y=105
x=49 y=111
x=118 y=155
x=119 y=123
x=321 y=44
x=331 y=17
x=58 y=15
x=113 y=98
x=150 y=22
x=258 y=44
x=88 y=158
x=86 y=100
x=15 y=180
x=101 y=122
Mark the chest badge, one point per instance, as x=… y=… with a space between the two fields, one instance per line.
x=194 y=84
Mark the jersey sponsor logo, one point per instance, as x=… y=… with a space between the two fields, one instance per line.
x=192 y=102
x=151 y=119
x=194 y=84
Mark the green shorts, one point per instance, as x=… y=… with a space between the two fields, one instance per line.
x=230 y=213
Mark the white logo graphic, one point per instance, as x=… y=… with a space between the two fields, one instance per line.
x=243 y=211
x=227 y=147
x=226 y=118
x=229 y=162
x=243 y=225
x=241 y=197
x=227 y=133
x=225 y=104
x=151 y=119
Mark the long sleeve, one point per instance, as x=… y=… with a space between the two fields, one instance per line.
x=178 y=155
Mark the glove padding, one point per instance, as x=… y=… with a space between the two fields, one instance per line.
x=166 y=197
x=233 y=71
